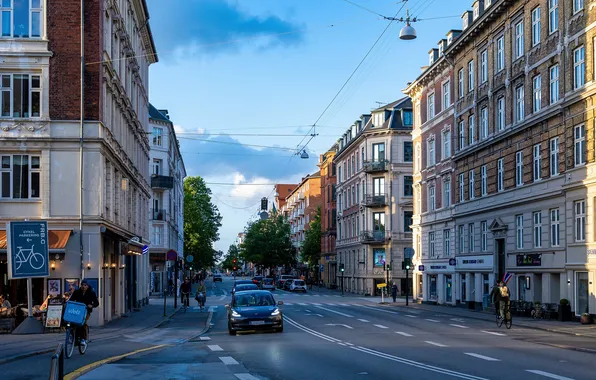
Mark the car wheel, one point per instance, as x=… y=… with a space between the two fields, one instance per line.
x=281 y=329
x=232 y=332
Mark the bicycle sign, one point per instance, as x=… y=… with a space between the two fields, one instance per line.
x=28 y=254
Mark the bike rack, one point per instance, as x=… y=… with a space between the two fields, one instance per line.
x=57 y=364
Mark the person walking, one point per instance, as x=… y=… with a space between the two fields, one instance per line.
x=394 y=291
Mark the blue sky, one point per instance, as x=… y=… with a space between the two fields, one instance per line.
x=261 y=67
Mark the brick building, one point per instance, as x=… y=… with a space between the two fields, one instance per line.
x=328 y=216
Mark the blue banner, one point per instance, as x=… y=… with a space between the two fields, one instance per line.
x=28 y=254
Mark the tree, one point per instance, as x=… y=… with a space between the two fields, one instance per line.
x=201 y=223
x=233 y=254
x=311 y=250
x=267 y=243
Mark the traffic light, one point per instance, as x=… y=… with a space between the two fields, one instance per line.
x=234 y=261
x=264 y=204
x=406 y=264
x=388 y=266
x=341 y=267
x=235 y=268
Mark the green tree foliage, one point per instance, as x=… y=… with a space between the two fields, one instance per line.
x=267 y=243
x=233 y=253
x=201 y=223
x=311 y=250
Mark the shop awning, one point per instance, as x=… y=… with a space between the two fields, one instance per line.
x=57 y=239
x=131 y=248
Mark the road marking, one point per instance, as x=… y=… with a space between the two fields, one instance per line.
x=435 y=343
x=432 y=320
x=222 y=298
x=245 y=376
x=342 y=344
x=308 y=311
x=326 y=295
x=377 y=309
x=493 y=333
x=330 y=304
x=381 y=326
x=364 y=320
x=212 y=309
x=228 y=360
x=402 y=333
x=204 y=338
x=460 y=326
x=289 y=304
x=349 y=344
x=224 y=292
x=316 y=304
x=336 y=312
x=316 y=295
x=410 y=316
x=344 y=304
x=302 y=304
x=339 y=324
x=312 y=332
x=336 y=296
x=547 y=374
x=214 y=347
x=457 y=320
x=482 y=357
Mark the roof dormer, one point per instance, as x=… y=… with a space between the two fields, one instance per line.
x=487 y=3
x=466 y=19
x=452 y=35
x=478 y=8
x=433 y=55
x=442 y=46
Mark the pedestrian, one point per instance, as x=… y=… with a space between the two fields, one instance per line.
x=495 y=297
x=4 y=304
x=504 y=299
x=394 y=291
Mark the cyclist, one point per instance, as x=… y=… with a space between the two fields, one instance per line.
x=495 y=296
x=85 y=294
x=185 y=290
x=504 y=302
x=201 y=294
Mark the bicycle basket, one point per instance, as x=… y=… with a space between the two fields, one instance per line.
x=75 y=313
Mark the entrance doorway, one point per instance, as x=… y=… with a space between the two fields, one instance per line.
x=501 y=259
x=448 y=289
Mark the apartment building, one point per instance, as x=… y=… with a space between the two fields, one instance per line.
x=328 y=262
x=166 y=214
x=40 y=130
x=374 y=198
x=282 y=190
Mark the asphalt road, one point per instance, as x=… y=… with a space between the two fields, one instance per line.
x=327 y=336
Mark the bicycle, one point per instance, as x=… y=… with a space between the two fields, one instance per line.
x=185 y=301
x=72 y=340
x=507 y=320
x=201 y=299
x=35 y=259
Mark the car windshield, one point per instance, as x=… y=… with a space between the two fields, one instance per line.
x=299 y=283
x=240 y=288
x=254 y=299
x=267 y=280
x=239 y=282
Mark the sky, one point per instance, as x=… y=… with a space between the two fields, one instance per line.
x=232 y=73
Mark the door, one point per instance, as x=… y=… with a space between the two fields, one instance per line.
x=521 y=288
x=581 y=293
x=448 y=289
x=501 y=259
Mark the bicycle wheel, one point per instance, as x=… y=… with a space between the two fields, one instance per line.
x=83 y=347
x=70 y=341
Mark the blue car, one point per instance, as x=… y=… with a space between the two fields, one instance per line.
x=252 y=310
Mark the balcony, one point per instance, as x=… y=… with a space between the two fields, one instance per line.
x=374 y=237
x=301 y=195
x=298 y=244
x=376 y=166
x=162 y=182
x=375 y=200
x=158 y=214
x=301 y=211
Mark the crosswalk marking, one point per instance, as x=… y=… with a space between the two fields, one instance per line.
x=487 y=358
x=228 y=360
x=214 y=347
x=435 y=343
x=381 y=326
x=402 y=333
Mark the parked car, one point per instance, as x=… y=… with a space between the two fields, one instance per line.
x=257 y=280
x=298 y=286
x=243 y=287
x=267 y=284
x=287 y=284
x=254 y=310
x=217 y=277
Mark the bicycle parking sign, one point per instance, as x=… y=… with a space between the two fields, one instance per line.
x=28 y=254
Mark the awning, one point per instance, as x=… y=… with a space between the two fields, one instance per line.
x=57 y=240
x=131 y=248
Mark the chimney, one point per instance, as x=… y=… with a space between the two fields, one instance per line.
x=423 y=68
x=165 y=113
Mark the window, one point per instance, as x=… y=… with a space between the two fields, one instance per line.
x=446 y=94
x=21 y=95
x=408 y=221
x=378 y=186
x=484 y=67
x=470 y=76
x=500 y=53
x=25 y=17
x=519 y=232
x=519 y=39
x=578 y=5
x=446 y=243
x=471 y=193
x=462 y=184
x=471 y=128
x=157 y=136
x=447 y=192
x=554 y=227
x=158 y=236
x=580 y=145
x=460 y=83
x=484 y=236
x=484 y=123
x=408 y=155
x=431 y=244
x=537 y=87
x=462 y=238
x=554 y=84
x=537 y=161
x=20 y=176
x=536 y=26
x=500 y=174
x=408 y=182
x=579 y=67
x=407 y=118
x=431 y=106
x=483 y=181
x=553 y=16
x=519 y=104
x=431 y=152
x=554 y=156
x=378 y=152
x=580 y=220
x=471 y=242
x=500 y=113
x=156 y=167
x=519 y=168
x=461 y=135
x=538 y=229
x=446 y=144
x=431 y=198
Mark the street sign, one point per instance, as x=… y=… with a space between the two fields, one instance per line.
x=189 y=258
x=172 y=255
x=145 y=249
x=28 y=254
x=408 y=253
x=421 y=268
x=322 y=267
x=379 y=286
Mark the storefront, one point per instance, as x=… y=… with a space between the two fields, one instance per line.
x=473 y=279
x=538 y=276
x=437 y=281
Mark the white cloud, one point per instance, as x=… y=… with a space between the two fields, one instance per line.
x=178 y=129
x=201 y=131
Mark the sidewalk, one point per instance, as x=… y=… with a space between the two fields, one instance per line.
x=15 y=347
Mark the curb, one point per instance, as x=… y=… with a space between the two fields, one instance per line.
x=205 y=329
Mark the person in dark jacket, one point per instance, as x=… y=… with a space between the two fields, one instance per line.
x=495 y=297
x=85 y=294
x=394 y=291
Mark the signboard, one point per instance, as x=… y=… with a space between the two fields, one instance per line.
x=474 y=262
x=145 y=249
x=28 y=249
x=421 y=268
x=379 y=286
x=451 y=262
x=531 y=260
x=172 y=255
x=408 y=253
x=322 y=267
x=54 y=316
x=190 y=258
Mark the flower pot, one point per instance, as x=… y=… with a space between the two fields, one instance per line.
x=564 y=313
x=585 y=319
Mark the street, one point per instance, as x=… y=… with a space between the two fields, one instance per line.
x=327 y=336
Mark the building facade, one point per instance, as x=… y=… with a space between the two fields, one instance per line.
x=282 y=190
x=40 y=133
x=374 y=198
x=328 y=217
x=166 y=212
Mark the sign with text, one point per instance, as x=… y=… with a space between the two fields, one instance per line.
x=474 y=262
x=54 y=316
x=28 y=254
x=531 y=260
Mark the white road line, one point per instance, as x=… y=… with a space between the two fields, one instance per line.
x=214 y=347
x=316 y=304
x=364 y=320
x=460 y=326
x=410 y=316
x=349 y=344
x=330 y=304
x=432 y=320
x=302 y=304
x=316 y=295
x=457 y=320
x=493 y=333
x=435 y=343
x=402 y=333
x=308 y=311
x=344 y=304
x=289 y=304
x=342 y=344
x=336 y=312
x=245 y=376
x=212 y=309
x=205 y=338
x=377 y=309
x=336 y=296
x=482 y=357
x=547 y=374
x=221 y=298
x=228 y=360
x=381 y=326
x=326 y=295
x=224 y=292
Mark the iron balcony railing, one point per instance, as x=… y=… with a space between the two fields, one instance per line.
x=376 y=166
x=371 y=237
x=375 y=200
x=158 y=214
x=162 y=182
